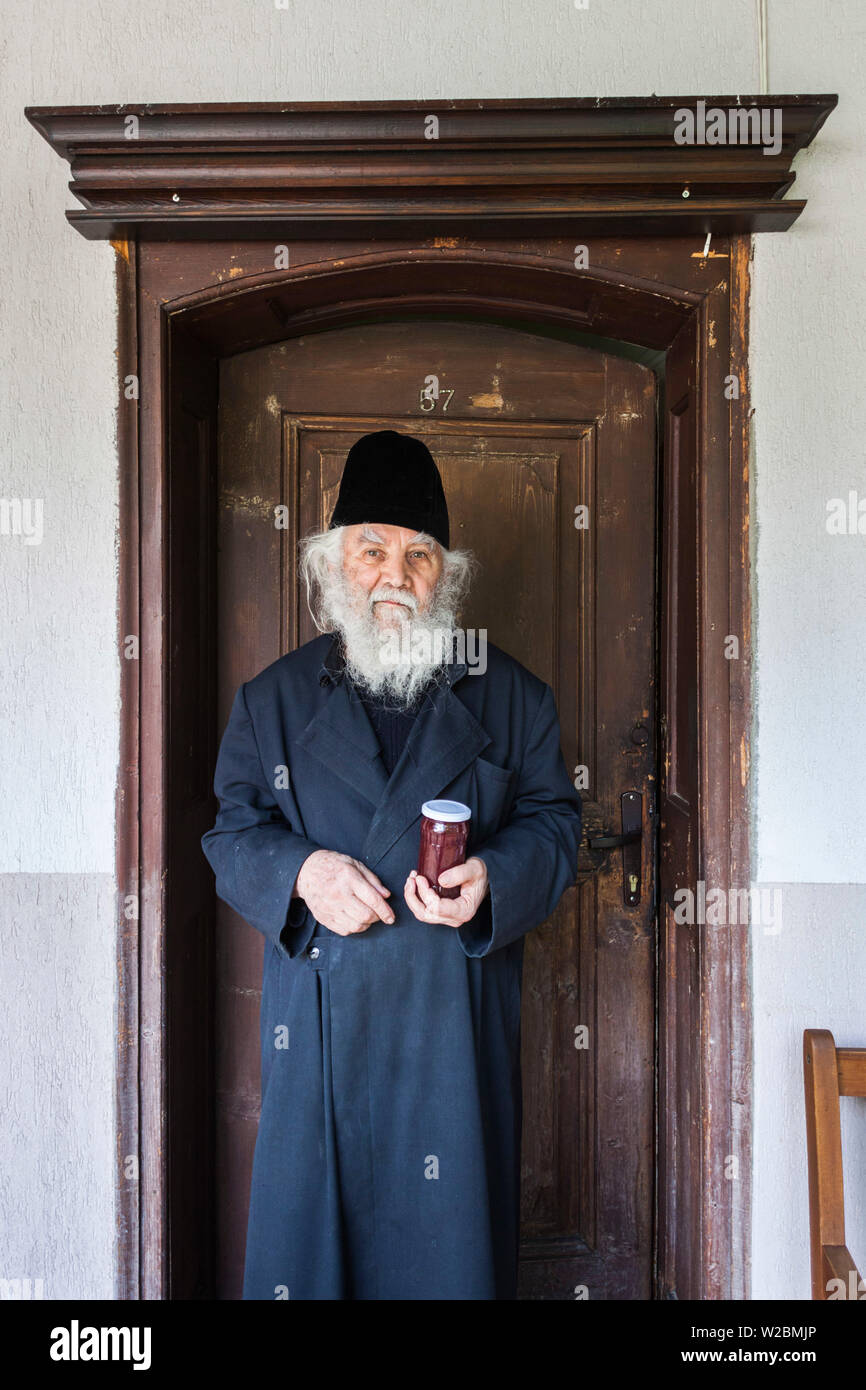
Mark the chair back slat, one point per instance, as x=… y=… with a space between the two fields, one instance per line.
x=851 y=1063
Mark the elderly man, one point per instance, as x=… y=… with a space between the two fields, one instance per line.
x=387 y=1162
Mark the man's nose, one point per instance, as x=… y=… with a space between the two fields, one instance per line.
x=395 y=573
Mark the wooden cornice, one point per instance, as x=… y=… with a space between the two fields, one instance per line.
x=548 y=167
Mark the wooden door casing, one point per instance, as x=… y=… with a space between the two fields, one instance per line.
x=222 y=299
x=679 y=1090
x=535 y=428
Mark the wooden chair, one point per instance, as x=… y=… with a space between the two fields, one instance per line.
x=829 y=1072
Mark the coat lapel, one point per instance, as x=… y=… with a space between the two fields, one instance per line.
x=342 y=737
x=444 y=739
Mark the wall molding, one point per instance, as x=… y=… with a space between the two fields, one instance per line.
x=609 y=166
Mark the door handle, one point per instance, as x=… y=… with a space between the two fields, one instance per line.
x=613 y=841
x=631 y=811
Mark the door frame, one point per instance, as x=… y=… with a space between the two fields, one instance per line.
x=704 y=1109
x=480 y=224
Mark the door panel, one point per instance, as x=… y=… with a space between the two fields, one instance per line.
x=525 y=431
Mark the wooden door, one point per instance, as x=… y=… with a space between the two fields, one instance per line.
x=527 y=432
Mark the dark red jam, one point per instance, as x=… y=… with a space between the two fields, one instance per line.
x=444 y=832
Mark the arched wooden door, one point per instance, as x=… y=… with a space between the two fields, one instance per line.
x=548 y=456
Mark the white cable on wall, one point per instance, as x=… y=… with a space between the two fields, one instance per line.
x=763 y=60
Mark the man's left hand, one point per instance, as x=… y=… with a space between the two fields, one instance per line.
x=427 y=906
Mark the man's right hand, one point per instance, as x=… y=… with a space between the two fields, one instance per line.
x=342 y=893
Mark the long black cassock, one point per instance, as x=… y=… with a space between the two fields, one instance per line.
x=387 y=1161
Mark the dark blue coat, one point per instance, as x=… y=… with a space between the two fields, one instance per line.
x=387 y=1162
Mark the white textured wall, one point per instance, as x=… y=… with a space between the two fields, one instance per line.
x=809 y=813
x=58 y=682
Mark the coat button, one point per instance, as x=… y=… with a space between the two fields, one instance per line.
x=313 y=953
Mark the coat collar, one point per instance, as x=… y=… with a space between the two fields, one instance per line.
x=443 y=740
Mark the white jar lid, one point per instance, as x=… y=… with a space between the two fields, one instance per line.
x=446 y=810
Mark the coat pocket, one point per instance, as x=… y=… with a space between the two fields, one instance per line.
x=492 y=799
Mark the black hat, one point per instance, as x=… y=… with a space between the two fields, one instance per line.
x=392 y=478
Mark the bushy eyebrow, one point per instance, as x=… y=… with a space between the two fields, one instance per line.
x=368 y=534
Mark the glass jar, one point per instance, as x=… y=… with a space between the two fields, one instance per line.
x=444 y=832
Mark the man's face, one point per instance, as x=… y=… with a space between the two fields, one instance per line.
x=394 y=596
x=392 y=569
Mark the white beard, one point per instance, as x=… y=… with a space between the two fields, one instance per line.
x=397 y=655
